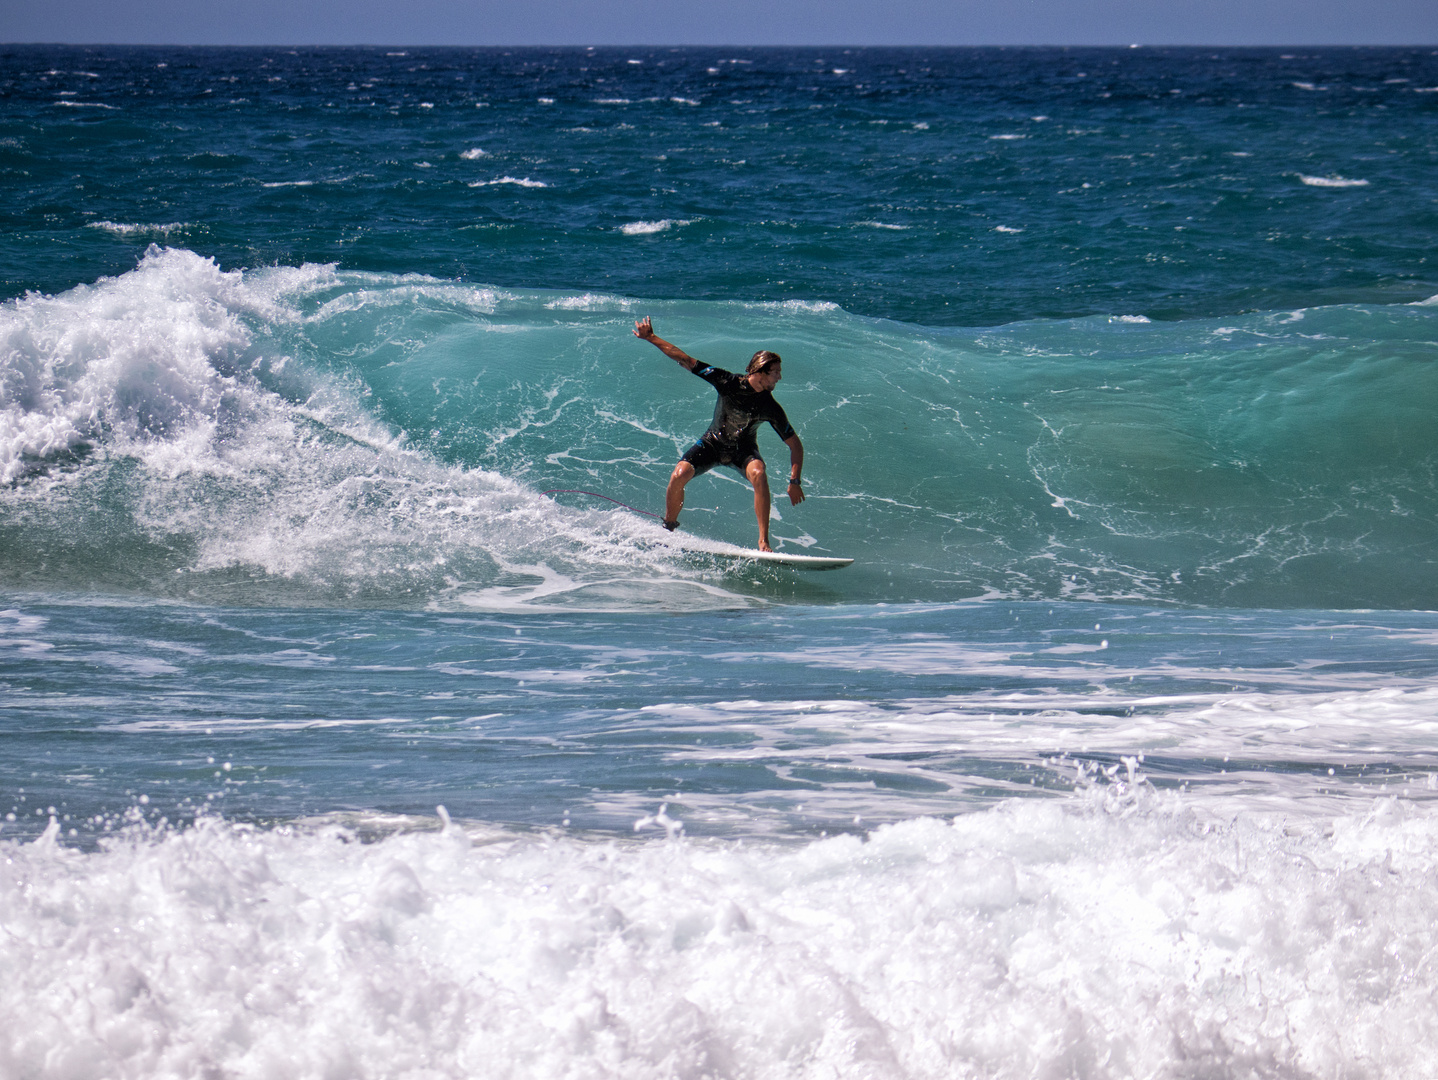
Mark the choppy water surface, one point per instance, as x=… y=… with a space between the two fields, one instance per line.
x=333 y=743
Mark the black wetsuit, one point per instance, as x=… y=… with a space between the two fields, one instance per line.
x=732 y=437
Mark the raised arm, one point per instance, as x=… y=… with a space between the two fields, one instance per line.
x=644 y=330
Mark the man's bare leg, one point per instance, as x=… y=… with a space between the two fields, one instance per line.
x=760 y=479
x=674 y=493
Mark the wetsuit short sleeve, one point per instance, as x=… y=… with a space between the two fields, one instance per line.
x=716 y=377
x=780 y=422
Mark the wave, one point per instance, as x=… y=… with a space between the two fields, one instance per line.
x=372 y=438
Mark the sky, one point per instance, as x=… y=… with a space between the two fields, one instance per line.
x=721 y=22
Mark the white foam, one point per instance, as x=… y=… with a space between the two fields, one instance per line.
x=1042 y=938
x=590 y=302
x=646 y=228
x=884 y=225
x=1008 y=138
x=524 y=182
x=123 y=229
x=1006 y=229
x=611 y=101
x=1331 y=181
x=474 y=153
x=134 y=357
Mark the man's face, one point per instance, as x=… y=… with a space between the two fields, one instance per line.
x=766 y=379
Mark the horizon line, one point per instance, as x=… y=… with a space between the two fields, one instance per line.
x=724 y=45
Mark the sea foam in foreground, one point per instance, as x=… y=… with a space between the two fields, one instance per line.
x=1116 y=933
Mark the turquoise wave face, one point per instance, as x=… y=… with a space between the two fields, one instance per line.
x=320 y=437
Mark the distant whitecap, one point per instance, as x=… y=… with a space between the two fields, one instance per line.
x=473 y=154
x=519 y=181
x=644 y=228
x=124 y=229
x=1006 y=229
x=1331 y=181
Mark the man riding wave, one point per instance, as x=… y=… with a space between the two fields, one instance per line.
x=745 y=402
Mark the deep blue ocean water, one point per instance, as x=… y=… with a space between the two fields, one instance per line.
x=332 y=743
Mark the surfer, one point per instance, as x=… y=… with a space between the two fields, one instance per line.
x=745 y=402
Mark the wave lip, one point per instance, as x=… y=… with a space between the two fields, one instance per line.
x=130 y=360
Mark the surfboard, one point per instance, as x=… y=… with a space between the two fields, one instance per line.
x=727 y=551
x=774 y=558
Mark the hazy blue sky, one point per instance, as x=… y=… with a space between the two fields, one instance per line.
x=721 y=22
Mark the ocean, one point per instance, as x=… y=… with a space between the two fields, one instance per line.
x=357 y=719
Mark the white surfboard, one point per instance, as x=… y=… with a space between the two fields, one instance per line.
x=776 y=558
x=728 y=551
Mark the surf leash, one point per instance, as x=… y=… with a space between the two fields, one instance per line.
x=595 y=494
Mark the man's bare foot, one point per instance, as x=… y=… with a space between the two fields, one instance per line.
x=764 y=545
